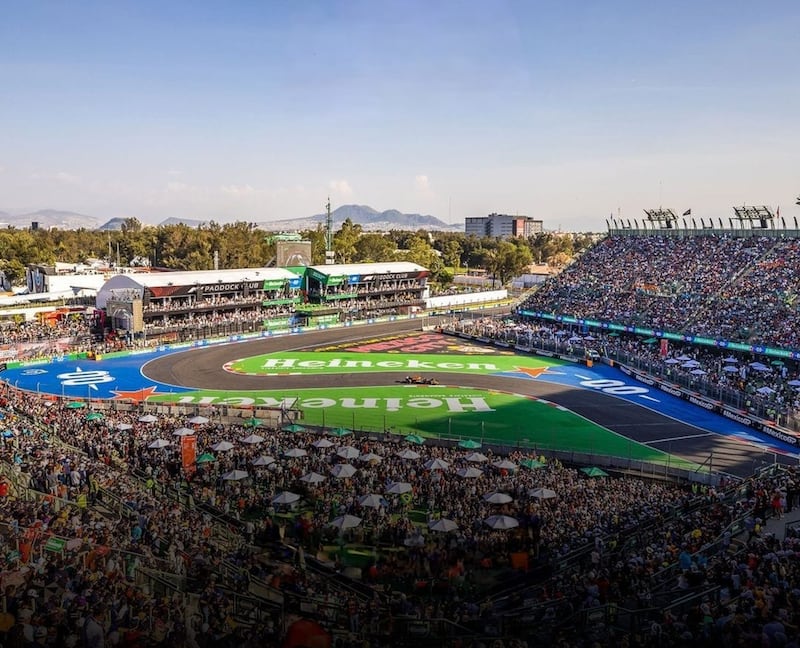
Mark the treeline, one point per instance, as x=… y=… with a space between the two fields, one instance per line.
x=243 y=245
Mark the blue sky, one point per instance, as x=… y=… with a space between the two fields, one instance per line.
x=258 y=111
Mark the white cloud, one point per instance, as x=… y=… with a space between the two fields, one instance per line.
x=238 y=190
x=340 y=187
x=422 y=183
x=67 y=178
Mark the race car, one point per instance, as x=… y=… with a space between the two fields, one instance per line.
x=419 y=380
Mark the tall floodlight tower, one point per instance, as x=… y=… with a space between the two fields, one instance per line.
x=329 y=254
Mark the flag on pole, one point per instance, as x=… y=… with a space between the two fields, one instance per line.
x=688 y=212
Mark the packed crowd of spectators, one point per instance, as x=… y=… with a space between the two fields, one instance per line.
x=742 y=289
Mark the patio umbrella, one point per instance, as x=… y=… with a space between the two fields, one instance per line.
x=125 y=426
x=730 y=369
x=264 y=460
x=369 y=457
x=505 y=464
x=198 y=420
x=469 y=473
x=443 y=525
x=398 y=488
x=159 y=443
x=730 y=359
x=590 y=338
x=436 y=464
x=498 y=498
x=542 y=493
x=373 y=500
x=148 y=418
x=476 y=457
x=697 y=372
x=295 y=452
x=323 y=443
x=683 y=358
x=285 y=497
x=206 y=457
x=531 y=464
x=252 y=439
x=252 y=422
x=345 y=522
x=671 y=361
x=348 y=452
x=765 y=391
x=408 y=454
x=183 y=432
x=312 y=478
x=75 y=405
x=594 y=471
x=416 y=439
x=343 y=471
x=235 y=475
x=222 y=446
x=691 y=364
x=469 y=444
x=501 y=522
x=294 y=427
x=340 y=432
x=94 y=416
x=777 y=363
x=793 y=383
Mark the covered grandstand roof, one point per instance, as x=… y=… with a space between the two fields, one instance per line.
x=390 y=267
x=190 y=278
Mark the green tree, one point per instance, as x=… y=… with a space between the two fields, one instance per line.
x=344 y=241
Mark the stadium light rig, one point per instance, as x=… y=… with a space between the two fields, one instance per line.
x=661 y=218
x=758 y=217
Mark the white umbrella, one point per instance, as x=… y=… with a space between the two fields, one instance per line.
x=436 y=464
x=469 y=473
x=222 y=446
x=295 y=452
x=253 y=439
x=343 y=471
x=373 y=500
x=367 y=457
x=683 y=358
x=408 y=454
x=691 y=364
x=348 y=452
x=501 y=522
x=312 y=478
x=765 y=391
x=129 y=426
x=505 y=464
x=730 y=359
x=759 y=367
x=159 y=443
x=148 y=418
x=542 y=493
x=183 y=431
x=285 y=497
x=671 y=361
x=443 y=525
x=498 y=498
x=345 y=522
x=198 y=420
x=264 y=460
x=476 y=457
x=791 y=383
x=730 y=369
x=235 y=475
x=697 y=372
x=590 y=338
x=398 y=488
x=323 y=443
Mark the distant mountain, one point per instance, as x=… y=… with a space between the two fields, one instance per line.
x=48 y=218
x=114 y=225
x=183 y=221
x=370 y=220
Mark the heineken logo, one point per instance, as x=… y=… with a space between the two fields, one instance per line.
x=452 y=404
x=409 y=363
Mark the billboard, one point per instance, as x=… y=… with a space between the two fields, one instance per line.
x=292 y=253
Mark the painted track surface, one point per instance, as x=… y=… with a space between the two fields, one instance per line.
x=201 y=368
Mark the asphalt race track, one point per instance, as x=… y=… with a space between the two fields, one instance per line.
x=201 y=368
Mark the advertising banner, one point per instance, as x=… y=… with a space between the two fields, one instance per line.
x=189 y=454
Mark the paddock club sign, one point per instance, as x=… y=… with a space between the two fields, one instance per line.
x=712 y=406
x=222 y=288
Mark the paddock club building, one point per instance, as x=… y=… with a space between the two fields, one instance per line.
x=214 y=302
x=206 y=302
